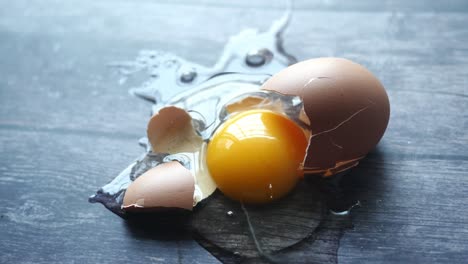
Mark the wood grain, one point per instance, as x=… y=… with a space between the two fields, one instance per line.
x=276 y=227
x=67 y=126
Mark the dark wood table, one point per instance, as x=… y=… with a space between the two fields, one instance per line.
x=67 y=126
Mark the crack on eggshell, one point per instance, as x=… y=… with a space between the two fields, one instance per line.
x=340 y=166
x=370 y=101
x=334 y=143
x=312 y=80
x=341 y=123
x=315 y=79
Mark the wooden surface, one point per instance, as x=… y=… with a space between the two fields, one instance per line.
x=67 y=126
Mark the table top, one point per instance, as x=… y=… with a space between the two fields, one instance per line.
x=67 y=126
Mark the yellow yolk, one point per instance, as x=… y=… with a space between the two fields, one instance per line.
x=256 y=156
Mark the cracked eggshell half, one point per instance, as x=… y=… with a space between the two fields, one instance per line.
x=346 y=104
x=171 y=131
x=171 y=185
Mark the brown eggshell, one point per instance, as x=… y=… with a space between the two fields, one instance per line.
x=169 y=185
x=171 y=131
x=347 y=106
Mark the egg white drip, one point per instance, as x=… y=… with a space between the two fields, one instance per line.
x=204 y=183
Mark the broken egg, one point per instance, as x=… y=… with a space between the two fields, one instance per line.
x=346 y=104
x=253 y=142
x=324 y=102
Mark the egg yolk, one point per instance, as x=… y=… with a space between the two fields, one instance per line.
x=256 y=156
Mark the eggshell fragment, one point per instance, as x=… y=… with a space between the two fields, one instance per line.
x=347 y=106
x=169 y=185
x=171 y=131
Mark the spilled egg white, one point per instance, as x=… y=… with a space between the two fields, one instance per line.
x=344 y=111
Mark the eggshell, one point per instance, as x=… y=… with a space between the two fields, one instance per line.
x=171 y=131
x=169 y=185
x=347 y=106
